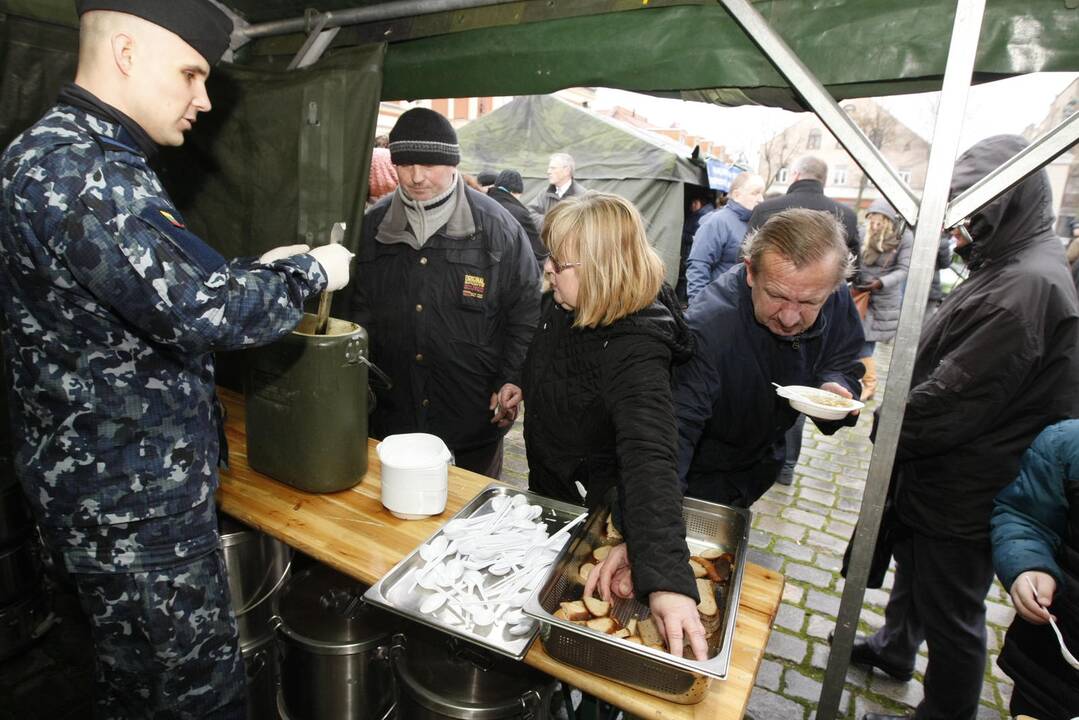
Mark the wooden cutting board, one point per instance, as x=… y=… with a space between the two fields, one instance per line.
x=352 y=532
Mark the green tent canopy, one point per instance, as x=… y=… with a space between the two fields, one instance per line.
x=610 y=156
x=682 y=48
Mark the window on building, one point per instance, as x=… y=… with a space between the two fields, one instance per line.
x=813 y=143
x=782 y=176
x=904 y=175
x=839 y=175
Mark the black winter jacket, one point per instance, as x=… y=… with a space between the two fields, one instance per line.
x=598 y=412
x=997 y=363
x=520 y=214
x=549 y=198
x=450 y=322
x=730 y=420
x=809 y=194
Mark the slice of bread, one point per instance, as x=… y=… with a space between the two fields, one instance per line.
x=598 y=608
x=707 y=607
x=585 y=570
x=650 y=634
x=575 y=610
x=603 y=624
x=708 y=567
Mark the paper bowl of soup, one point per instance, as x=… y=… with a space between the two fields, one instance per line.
x=818 y=403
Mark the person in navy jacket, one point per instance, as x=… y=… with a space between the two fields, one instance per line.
x=784 y=316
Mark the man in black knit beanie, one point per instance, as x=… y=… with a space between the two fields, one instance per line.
x=448 y=288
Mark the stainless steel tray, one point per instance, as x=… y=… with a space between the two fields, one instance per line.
x=708 y=525
x=398 y=591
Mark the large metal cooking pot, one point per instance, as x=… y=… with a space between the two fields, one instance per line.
x=303 y=394
x=261 y=667
x=14 y=516
x=440 y=677
x=332 y=649
x=20 y=572
x=258 y=566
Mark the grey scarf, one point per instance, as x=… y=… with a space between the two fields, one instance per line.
x=413 y=223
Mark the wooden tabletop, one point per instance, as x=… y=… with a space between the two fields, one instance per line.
x=352 y=532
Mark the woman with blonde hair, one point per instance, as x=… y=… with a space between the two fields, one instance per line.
x=600 y=423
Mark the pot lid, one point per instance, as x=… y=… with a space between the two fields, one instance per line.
x=321 y=605
x=413 y=450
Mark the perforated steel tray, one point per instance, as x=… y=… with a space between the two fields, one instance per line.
x=398 y=592
x=681 y=680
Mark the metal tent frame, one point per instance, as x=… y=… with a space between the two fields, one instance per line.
x=929 y=214
x=932 y=214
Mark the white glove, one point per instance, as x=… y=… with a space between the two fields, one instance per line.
x=279 y=253
x=334 y=260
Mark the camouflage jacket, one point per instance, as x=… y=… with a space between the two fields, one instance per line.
x=112 y=311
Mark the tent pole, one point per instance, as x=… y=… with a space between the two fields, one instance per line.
x=1028 y=160
x=845 y=130
x=943 y=151
x=962 y=51
x=316 y=43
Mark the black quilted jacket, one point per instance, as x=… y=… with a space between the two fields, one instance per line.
x=599 y=412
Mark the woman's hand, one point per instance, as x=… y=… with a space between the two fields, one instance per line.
x=677 y=618
x=504 y=405
x=612 y=574
x=1031 y=607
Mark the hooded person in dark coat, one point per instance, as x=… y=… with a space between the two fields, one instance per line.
x=506 y=191
x=996 y=364
x=597 y=385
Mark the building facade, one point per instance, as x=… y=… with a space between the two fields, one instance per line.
x=903 y=148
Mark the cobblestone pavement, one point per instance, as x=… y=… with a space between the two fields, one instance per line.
x=802 y=531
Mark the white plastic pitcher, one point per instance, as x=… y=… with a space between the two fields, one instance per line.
x=415 y=474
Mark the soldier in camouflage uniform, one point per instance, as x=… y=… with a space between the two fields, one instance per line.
x=112 y=311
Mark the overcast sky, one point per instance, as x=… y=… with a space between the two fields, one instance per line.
x=1005 y=106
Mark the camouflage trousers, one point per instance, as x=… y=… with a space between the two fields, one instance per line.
x=166 y=642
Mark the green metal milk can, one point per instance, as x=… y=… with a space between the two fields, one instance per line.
x=306 y=402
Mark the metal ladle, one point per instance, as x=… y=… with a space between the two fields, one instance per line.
x=337 y=234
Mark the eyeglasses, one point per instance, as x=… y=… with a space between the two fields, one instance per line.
x=559 y=267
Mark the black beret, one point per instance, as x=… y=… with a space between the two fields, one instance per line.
x=423 y=137
x=487 y=177
x=199 y=23
x=511 y=181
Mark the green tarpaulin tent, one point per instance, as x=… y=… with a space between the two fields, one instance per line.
x=609 y=156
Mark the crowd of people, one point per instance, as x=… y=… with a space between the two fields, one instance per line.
x=638 y=396
x=478 y=305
